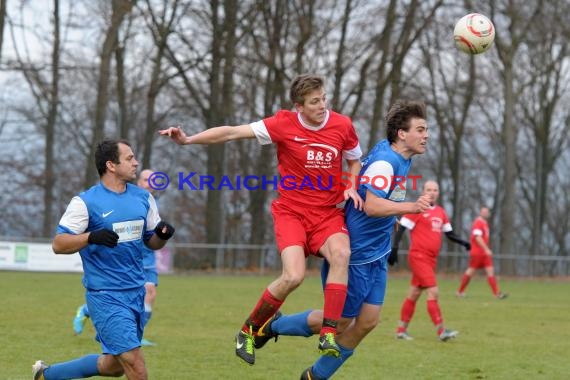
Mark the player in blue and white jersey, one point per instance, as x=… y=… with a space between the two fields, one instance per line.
x=150 y=271
x=383 y=189
x=109 y=225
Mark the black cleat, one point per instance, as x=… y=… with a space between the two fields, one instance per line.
x=308 y=375
x=328 y=346
x=244 y=347
x=265 y=334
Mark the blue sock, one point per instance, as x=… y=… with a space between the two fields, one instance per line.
x=294 y=324
x=85 y=366
x=326 y=366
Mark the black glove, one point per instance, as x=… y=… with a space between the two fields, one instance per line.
x=393 y=258
x=104 y=237
x=467 y=246
x=158 y=230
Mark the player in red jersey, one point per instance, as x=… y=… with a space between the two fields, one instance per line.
x=426 y=237
x=481 y=256
x=311 y=144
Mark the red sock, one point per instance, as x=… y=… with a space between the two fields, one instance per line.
x=335 y=295
x=406 y=314
x=435 y=313
x=266 y=307
x=464 y=282
x=493 y=284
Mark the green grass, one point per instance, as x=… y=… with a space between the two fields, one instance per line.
x=526 y=336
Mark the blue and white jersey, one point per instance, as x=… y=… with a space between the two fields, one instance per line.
x=384 y=174
x=132 y=215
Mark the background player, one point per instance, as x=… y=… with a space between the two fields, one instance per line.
x=426 y=231
x=481 y=256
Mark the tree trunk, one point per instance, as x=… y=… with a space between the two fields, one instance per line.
x=120 y=9
x=49 y=175
x=3 y=4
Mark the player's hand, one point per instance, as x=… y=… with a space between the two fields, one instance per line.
x=164 y=230
x=467 y=246
x=176 y=134
x=393 y=258
x=353 y=194
x=422 y=204
x=104 y=237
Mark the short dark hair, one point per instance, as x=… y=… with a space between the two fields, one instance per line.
x=107 y=150
x=399 y=116
x=302 y=85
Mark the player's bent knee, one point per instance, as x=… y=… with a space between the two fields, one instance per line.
x=291 y=282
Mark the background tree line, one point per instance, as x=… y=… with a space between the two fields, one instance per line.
x=75 y=71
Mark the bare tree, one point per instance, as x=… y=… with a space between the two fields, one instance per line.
x=521 y=16
x=2 y=21
x=544 y=90
x=120 y=8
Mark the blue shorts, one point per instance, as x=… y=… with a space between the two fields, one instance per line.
x=366 y=284
x=151 y=275
x=118 y=318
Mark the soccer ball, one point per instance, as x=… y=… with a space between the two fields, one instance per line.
x=474 y=34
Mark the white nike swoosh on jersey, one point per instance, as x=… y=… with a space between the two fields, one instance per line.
x=106 y=214
x=297 y=138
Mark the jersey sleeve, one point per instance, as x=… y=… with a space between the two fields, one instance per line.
x=378 y=177
x=270 y=130
x=408 y=221
x=351 y=149
x=477 y=229
x=75 y=220
x=446 y=223
x=152 y=217
x=261 y=133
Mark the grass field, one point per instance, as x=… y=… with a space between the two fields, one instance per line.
x=526 y=336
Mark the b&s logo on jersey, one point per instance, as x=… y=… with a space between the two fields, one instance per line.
x=317 y=159
x=129 y=231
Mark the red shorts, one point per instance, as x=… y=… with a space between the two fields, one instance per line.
x=480 y=261
x=308 y=227
x=423 y=270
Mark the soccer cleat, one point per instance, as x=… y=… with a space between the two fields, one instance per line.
x=38 y=369
x=244 y=347
x=502 y=295
x=79 y=320
x=446 y=334
x=265 y=333
x=308 y=375
x=403 y=335
x=146 y=342
x=328 y=346
x=460 y=294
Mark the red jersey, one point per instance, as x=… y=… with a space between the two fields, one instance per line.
x=310 y=158
x=426 y=230
x=480 y=227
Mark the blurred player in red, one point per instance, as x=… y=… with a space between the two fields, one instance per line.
x=426 y=231
x=312 y=142
x=481 y=255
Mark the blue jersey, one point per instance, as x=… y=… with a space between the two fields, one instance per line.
x=383 y=172
x=132 y=215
